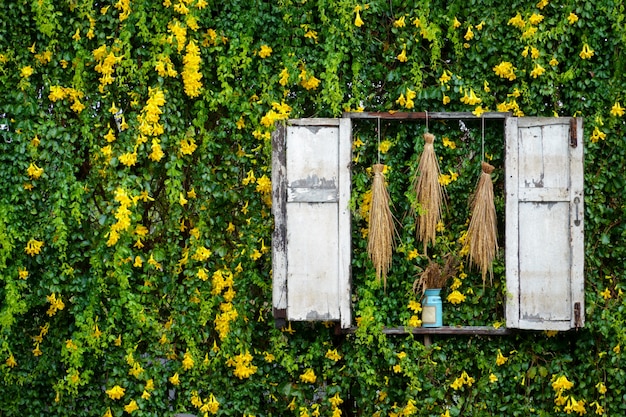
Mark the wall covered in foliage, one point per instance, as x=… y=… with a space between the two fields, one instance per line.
x=135 y=212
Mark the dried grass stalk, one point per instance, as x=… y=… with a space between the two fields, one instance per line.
x=428 y=192
x=483 y=228
x=434 y=277
x=381 y=226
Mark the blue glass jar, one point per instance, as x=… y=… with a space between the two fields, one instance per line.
x=431 y=308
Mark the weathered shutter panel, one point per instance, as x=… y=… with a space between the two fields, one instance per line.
x=311 y=244
x=544 y=223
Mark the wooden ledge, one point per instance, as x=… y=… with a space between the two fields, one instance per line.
x=399 y=115
x=444 y=330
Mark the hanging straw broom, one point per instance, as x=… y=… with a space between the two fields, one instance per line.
x=428 y=192
x=482 y=231
x=381 y=226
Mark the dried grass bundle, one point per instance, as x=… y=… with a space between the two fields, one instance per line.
x=428 y=192
x=381 y=226
x=434 y=277
x=482 y=232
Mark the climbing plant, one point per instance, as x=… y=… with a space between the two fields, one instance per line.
x=136 y=223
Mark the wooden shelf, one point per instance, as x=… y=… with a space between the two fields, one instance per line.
x=444 y=330
x=422 y=115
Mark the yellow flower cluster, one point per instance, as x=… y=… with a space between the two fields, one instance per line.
x=58 y=92
x=265 y=51
x=456 y=297
x=243 y=365
x=34 y=172
x=505 y=70
x=470 y=99
x=149 y=118
x=464 y=379
x=279 y=111
x=308 y=376
x=307 y=81
x=11 y=362
x=105 y=66
x=116 y=392
x=179 y=32
x=191 y=70
x=597 y=135
x=408 y=100
x=568 y=402
x=537 y=71
x=586 y=52
x=124 y=7
x=33 y=247
x=164 y=67
x=500 y=358
x=56 y=304
x=447 y=179
x=264 y=185
x=333 y=355
x=209 y=405
x=223 y=279
x=188 y=362
x=122 y=216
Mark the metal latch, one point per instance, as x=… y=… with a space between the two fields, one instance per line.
x=573 y=132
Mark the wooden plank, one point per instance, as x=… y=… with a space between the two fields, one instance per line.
x=444 y=330
x=512 y=223
x=344 y=223
x=542 y=121
x=279 y=208
x=313 y=122
x=422 y=115
x=577 y=224
x=312 y=256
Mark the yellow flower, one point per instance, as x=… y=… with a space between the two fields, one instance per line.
x=415 y=306
x=586 y=52
x=455 y=297
x=333 y=355
x=146 y=395
x=445 y=100
x=26 y=71
x=572 y=18
x=399 y=23
x=479 y=110
x=22 y=273
x=412 y=254
x=606 y=294
x=414 y=321
x=243 y=365
x=553 y=62
x=269 y=358
x=517 y=21
x=33 y=247
x=500 y=358
x=535 y=19
x=472 y=99
x=456 y=23
x=34 y=171
x=617 y=349
x=447 y=143
x=11 y=362
x=384 y=146
x=561 y=383
x=597 y=135
x=617 y=109
x=131 y=406
x=469 y=35
x=402 y=56
x=116 y=392
x=308 y=376
x=358 y=22
x=601 y=388
x=187 y=361
x=174 y=379
x=537 y=71
x=505 y=70
x=188 y=146
x=445 y=77
x=76 y=35
x=542 y=4
x=335 y=401
x=493 y=378
x=264 y=185
x=265 y=51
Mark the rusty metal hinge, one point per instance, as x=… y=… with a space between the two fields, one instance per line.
x=573 y=132
x=578 y=323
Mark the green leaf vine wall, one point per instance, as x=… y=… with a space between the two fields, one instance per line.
x=136 y=223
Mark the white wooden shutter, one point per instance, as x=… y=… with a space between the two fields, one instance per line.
x=311 y=243
x=544 y=223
